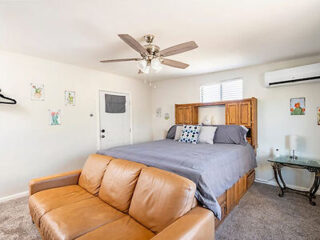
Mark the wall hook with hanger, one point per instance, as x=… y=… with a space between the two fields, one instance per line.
x=10 y=100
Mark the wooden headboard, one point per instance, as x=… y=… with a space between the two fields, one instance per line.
x=239 y=112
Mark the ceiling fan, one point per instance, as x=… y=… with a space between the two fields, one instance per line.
x=152 y=56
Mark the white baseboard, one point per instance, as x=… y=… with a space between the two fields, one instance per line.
x=259 y=180
x=14 y=196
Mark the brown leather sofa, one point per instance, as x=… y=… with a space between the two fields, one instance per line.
x=118 y=199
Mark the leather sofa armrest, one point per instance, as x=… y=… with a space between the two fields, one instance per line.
x=54 y=181
x=197 y=224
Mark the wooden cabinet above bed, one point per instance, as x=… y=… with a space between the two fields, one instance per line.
x=186 y=114
x=238 y=112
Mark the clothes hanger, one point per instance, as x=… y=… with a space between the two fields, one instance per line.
x=11 y=100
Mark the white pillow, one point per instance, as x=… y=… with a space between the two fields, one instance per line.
x=207 y=134
x=178 y=134
x=245 y=135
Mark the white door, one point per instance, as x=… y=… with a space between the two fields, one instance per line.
x=115 y=128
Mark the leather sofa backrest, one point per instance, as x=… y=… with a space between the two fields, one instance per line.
x=160 y=197
x=119 y=182
x=93 y=171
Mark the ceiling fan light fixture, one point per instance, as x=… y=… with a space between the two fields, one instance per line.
x=142 y=65
x=156 y=64
x=152 y=58
x=146 y=70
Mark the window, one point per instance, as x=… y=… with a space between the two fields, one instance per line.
x=228 y=90
x=210 y=93
x=231 y=90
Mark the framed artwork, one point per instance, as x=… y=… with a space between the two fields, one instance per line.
x=298 y=106
x=158 y=112
x=318 y=115
x=37 y=92
x=70 y=98
x=54 y=117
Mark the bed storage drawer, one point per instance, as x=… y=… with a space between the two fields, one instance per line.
x=230 y=198
x=250 y=178
x=222 y=200
x=223 y=214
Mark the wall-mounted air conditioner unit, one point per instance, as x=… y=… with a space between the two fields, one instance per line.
x=290 y=76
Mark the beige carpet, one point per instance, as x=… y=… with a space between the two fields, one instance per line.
x=15 y=221
x=261 y=214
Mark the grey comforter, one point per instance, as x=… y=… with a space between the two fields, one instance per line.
x=213 y=168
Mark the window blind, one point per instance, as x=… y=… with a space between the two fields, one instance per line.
x=232 y=90
x=228 y=90
x=210 y=93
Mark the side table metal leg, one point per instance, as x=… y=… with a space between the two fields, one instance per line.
x=280 y=175
x=275 y=171
x=314 y=185
x=314 y=189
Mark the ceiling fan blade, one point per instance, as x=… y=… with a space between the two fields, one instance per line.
x=134 y=44
x=183 y=47
x=121 y=60
x=173 y=63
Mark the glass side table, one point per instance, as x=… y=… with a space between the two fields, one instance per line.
x=312 y=165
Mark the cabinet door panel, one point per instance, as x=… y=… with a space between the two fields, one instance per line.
x=184 y=115
x=188 y=115
x=245 y=113
x=233 y=113
x=179 y=115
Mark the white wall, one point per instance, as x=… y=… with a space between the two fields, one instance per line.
x=29 y=147
x=274 y=120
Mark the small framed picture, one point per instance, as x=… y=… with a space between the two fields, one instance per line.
x=158 y=112
x=54 y=117
x=70 y=98
x=298 y=106
x=318 y=115
x=37 y=92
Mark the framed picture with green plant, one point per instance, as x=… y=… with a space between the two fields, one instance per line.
x=37 y=92
x=298 y=106
x=54 y=117
x=70 y=98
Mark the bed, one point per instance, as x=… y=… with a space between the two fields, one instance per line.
x=223 y=172
x=213 y=167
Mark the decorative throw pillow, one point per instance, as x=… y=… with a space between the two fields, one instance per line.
x=207 y=134
x=178 y=133
x=190 y=134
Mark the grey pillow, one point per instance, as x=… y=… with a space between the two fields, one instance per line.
x=230 y=134
x=172 y=132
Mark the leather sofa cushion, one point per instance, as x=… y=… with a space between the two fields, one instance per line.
x=122 y=229
x=119 y=182
x=44 y=201
x=73 y=220
x=160 y=197
x=93 y=171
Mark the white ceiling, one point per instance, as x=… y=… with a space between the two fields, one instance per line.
x=230 y=33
